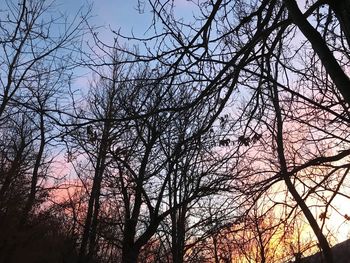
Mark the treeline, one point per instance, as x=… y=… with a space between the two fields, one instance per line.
x=221 y=140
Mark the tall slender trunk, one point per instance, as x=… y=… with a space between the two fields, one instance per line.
x=91 y=221
x=87 y=225
x=178 y=234
x=216 y=248
x=260 y=242
x=94 y=223
x=327 y=252
x=130 y=251
x=12 y=172
x=176 y=226
x=31 y=198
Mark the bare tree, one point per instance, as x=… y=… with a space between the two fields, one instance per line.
x=248 y=46
x=37 y=58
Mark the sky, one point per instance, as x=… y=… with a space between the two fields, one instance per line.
x=114 y=14
x=119 y=14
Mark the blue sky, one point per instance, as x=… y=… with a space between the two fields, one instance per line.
x=114 y=13
x=121 y=14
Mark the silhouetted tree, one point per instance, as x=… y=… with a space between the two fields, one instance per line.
x=247 y=46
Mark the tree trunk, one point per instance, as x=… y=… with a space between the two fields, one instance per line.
x=94 y=223
x=12 y=172
x=129 y=254
x=91 y=222
x=327 y=252
x=31 y=198
x=216 y=249
x=178 y=234
x=91 y=217
x=129 y=251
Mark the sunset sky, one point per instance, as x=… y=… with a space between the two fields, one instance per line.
x=123 y=15
x=174 y=130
